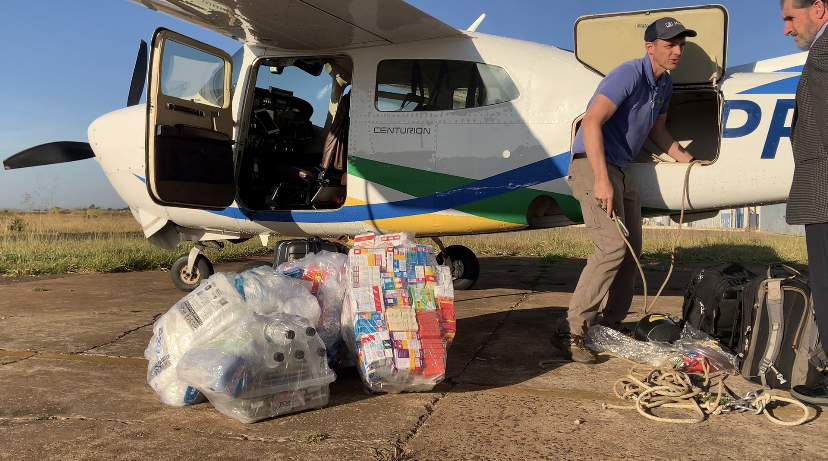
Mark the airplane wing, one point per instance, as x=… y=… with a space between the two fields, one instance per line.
x=308 y=24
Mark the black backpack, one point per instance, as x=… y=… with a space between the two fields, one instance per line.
x=713 y=302
x=779 y=345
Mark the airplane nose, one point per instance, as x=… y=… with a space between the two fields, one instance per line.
x=90 y=133
x=117 y=133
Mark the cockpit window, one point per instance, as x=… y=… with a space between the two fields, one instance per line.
x=191 y=74
x=433 y=84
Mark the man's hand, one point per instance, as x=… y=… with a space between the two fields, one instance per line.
x=603 y=193
x=598 y=113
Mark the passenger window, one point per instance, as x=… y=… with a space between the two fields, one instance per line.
x=191 y=74
x=430 y=84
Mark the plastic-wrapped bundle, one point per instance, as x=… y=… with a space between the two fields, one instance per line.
x=603 y=339
x=444 y=299
x=697 y=345
x=267 y=290
x=267 y=365
x=391 y=317
x=323 y=274
x=689 y=350
x=198 y=317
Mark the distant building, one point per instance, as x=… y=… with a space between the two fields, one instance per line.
x=773 y=221
x=770 y=219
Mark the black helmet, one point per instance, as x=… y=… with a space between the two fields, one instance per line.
x=657 y=328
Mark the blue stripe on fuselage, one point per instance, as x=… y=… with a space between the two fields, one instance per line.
x=793 y=69
x=542 y=171
x=784 y=86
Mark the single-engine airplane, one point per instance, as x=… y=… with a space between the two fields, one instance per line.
x=343 y=117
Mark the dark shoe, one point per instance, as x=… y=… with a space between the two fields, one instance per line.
x=558 y=338
x=573 y=348
x=811 y=394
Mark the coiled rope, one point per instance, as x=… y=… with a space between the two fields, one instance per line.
x=668 y=387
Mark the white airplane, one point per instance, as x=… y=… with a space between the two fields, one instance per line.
x=344 y=117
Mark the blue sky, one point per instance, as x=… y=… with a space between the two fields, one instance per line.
x=67 y=63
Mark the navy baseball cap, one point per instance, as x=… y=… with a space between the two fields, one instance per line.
x=666 y=28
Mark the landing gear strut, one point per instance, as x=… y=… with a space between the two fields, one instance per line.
x=190 y=269
x=465 y=268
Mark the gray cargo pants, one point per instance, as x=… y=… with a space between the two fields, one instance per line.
x=607 y=282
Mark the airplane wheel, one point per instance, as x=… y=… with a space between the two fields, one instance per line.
x=465 y=269
x=253 y=265
x=202 y=269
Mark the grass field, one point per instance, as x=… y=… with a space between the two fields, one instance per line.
x=96 y=240
x=695 y=245
x=87 y=241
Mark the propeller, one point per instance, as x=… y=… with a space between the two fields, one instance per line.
x=48 y=154
x=139 y=74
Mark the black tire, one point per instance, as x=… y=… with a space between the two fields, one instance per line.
x=253 y=265
x=202 y=269
x=465 y=268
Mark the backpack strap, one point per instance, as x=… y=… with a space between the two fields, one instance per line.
x=784 y=268
x=777 y=327
x=818 y=360
x=816 y=354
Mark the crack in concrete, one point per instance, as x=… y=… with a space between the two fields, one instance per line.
x=121 y=336
x=68 y=418
x=15 y=361
x=430 y=407
x=521 y=300
x=20 y=355
x=253 y=438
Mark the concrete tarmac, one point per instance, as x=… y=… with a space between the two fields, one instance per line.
x=73 y=386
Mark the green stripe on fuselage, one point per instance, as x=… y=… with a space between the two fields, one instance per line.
x=510 y=207
x=411 y=181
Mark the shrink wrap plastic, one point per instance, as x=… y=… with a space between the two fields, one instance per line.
x=688 y=351
x=266 y=290
x=398 y=314
x=197 y=318
x=323 y=274
x=215 y=305
x=264 y=366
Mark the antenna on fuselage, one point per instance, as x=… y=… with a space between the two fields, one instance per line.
x=474 y=25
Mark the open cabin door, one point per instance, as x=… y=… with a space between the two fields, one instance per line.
x=604 y=41
x=189 y=124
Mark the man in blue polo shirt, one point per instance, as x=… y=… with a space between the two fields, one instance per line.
x=629 y=106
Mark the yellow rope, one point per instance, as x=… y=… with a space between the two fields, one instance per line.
x=766 y=399
x=649 y=306
x=667 y=387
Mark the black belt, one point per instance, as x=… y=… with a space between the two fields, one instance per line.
x=578 y=155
